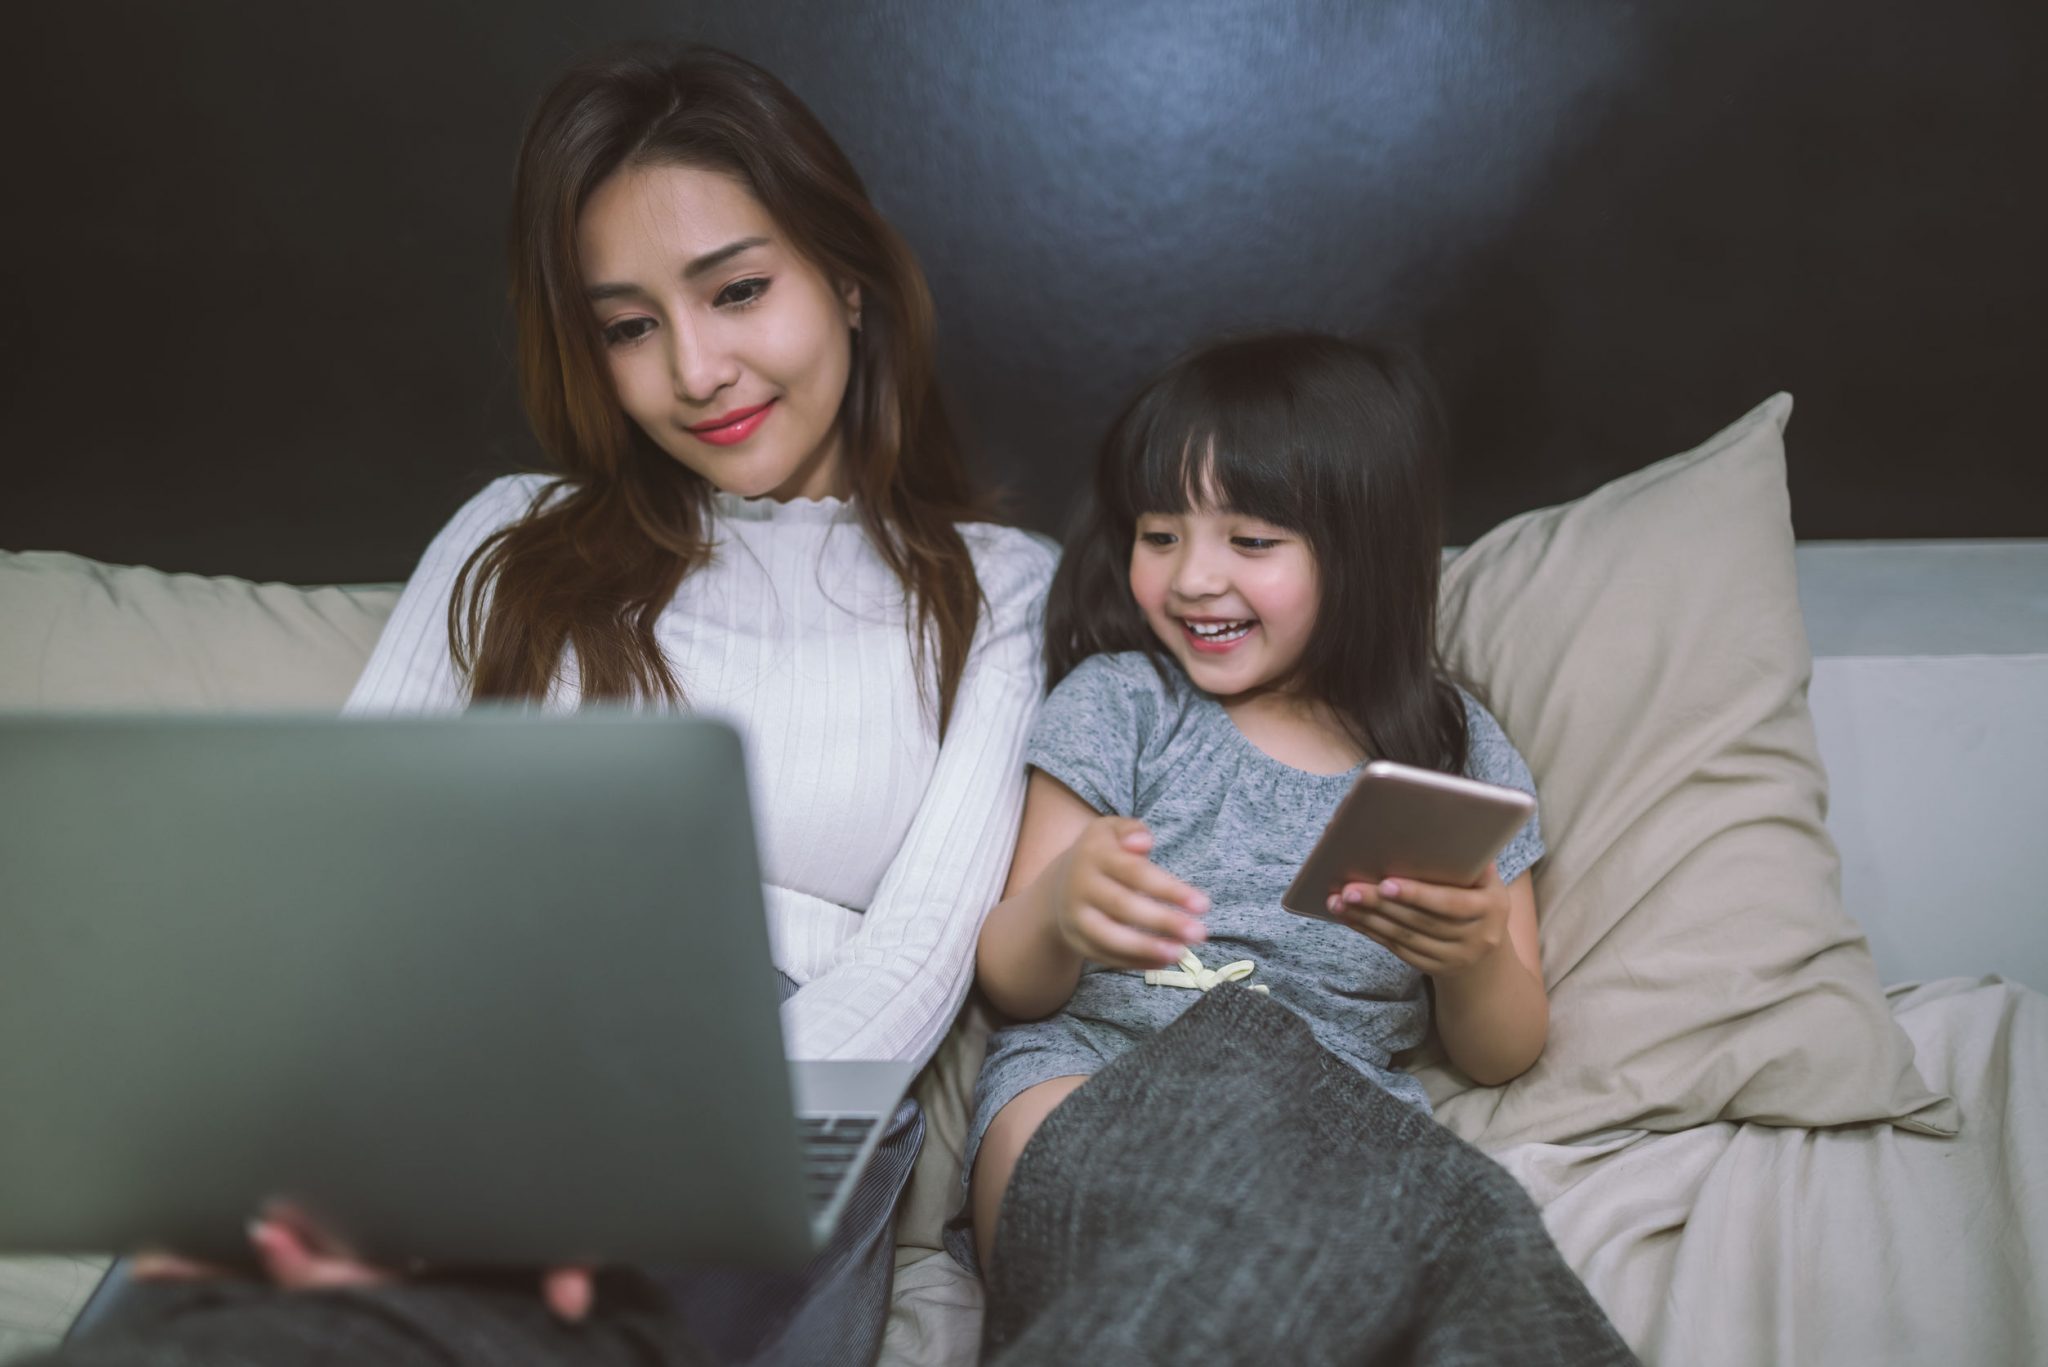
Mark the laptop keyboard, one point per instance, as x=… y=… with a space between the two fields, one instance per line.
x=829 y=1145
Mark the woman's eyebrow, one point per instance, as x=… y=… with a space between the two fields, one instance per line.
x=710 y=261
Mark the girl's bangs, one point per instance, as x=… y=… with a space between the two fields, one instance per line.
x=1238 y=457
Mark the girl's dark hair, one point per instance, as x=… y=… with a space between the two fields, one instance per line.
x=1342 y=442
x=602 y=551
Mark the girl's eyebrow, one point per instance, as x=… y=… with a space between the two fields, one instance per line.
x=710 y=261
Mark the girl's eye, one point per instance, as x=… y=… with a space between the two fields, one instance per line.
x=741 y=293
x=627 y=331
x=1156 y=538
x=1255 y=543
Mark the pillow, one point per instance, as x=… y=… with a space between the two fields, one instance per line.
x=76 y=633
x=1644 y=649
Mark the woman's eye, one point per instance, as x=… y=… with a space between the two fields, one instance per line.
x=627 y=330
x=740 y=293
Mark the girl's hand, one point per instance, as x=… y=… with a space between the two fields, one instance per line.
x=1439 y=929
x=296 y=1256
x=1113 y=905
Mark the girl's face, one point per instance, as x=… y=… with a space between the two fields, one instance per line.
x=1233 y=598
x=727 y=347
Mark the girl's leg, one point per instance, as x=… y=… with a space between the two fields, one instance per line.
x=1497 y=1289
x=1231 y=1191
x=1003 y=1141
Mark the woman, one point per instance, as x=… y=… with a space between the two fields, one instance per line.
x=761 y=512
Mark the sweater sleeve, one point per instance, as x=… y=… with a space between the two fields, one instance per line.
x=892 y=989
x=411 y=670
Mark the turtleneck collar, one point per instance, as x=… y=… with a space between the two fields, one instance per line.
x=796 y=510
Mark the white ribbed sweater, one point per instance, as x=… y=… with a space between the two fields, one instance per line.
x=882 y=850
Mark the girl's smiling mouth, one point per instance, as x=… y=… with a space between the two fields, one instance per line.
x=1216 y=635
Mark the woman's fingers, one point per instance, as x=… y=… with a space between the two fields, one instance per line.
x=173 y=1267
x=292 y=1259
x=569 y=1291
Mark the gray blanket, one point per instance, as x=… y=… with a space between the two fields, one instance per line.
x=1230 y=1191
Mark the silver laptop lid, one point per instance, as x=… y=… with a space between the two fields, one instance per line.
x=480 y=988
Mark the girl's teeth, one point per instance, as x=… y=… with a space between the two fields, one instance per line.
x=1219 y=631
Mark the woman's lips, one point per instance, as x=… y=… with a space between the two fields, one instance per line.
x=732 y=428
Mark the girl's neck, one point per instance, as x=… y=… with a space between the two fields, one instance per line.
x=1299 y=732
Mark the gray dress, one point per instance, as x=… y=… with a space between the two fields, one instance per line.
x=1236 y=823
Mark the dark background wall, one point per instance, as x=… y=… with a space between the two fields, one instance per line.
x=252 y=319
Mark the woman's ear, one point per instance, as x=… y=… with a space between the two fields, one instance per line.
x=849 y=295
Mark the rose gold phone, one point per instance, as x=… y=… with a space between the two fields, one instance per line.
x=1402 y=822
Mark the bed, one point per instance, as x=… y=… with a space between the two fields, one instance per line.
x=1751 y=1151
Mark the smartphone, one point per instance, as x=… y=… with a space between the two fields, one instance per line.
x=1402 y=822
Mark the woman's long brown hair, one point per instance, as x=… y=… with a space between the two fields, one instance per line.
x=603 y=548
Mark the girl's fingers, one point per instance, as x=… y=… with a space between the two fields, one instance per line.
x=1426 y=928
x=1137 y=910
x=1155 y=918
x=1456 y=904
x=1130 y=833
x=1109 y=941
x=1142 y=875
x=1406 y=951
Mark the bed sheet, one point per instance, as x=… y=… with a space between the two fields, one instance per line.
x=1757 y=1244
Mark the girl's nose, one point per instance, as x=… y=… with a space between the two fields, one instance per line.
x=1196 y=575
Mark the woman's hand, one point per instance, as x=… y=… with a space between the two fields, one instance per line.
x=297 y=1256
x=1113 y=905
x=1441 y=930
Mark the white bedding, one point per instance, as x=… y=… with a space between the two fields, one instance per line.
x=1753 y=1244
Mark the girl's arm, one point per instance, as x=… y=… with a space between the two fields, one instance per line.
x=1479 y=946
x=1495 y=1016
x=1021 y=962
x=1080 y=888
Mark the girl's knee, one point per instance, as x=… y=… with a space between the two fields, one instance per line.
x=1001 y=1145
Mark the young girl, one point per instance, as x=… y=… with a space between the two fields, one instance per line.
x=1246 y=617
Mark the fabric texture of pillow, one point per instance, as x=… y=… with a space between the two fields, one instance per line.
x=75 y=633
x=1643 y=646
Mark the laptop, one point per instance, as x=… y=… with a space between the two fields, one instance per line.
x=487 y=989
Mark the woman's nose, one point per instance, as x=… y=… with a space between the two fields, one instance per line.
x=698 y=367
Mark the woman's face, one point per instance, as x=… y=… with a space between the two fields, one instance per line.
x=728 y=348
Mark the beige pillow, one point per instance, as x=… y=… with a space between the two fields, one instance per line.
x=75 y=633
x=1644 y=649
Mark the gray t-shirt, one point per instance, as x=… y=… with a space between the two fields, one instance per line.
x=1236 y=823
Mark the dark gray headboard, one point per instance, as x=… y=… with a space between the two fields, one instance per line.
x=255 y=322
